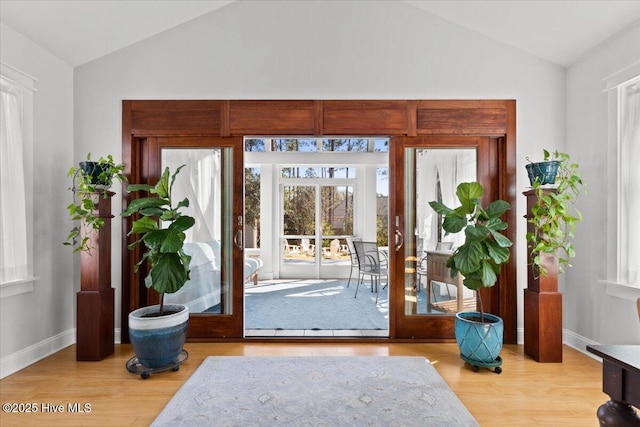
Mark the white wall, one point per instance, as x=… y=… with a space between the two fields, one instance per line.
x=320 y=50
x=253 y=50
x=42 y=321
x=589 y=309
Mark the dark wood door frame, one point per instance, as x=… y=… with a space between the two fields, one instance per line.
x=144 y=121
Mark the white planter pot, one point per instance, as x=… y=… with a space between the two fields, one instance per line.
x=158 y=340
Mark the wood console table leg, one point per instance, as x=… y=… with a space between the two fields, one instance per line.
x=618 y=414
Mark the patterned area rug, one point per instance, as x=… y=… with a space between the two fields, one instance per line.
x=315 y=391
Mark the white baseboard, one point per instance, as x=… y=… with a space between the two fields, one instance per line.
x=30 y=355
x=578 y=342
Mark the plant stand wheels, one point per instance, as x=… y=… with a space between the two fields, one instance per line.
x=135 y=367
x=476 y=365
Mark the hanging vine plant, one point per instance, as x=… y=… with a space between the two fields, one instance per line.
x=554 y=216
x=90 y=181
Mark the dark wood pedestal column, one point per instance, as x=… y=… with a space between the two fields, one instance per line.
x=542 y=307
x=96 y=299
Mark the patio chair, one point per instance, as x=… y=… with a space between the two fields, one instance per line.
x=307 y=247
x=369 y=264
x=335 y=249
x=352 y=255
x=290 y=249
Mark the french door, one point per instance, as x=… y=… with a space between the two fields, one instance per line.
x=212 y=180
x=315 y=221
x=428 y=169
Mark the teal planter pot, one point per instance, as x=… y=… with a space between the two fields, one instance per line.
x=477 y=341
x=543 y=172
x=158 y=340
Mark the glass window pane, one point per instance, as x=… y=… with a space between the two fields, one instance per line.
x=381 y=145
x=344 y=145
x=301 y=172
x=382 y=206
x=337 y=210
x=335 y=251
x=318 y=172
x=251 y=208
x=206 y=182
x=299 y=210
x=294 y=144
x=256 y=145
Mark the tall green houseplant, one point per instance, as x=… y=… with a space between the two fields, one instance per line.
x=485 y=249
x=169 y=265
x=554 y=216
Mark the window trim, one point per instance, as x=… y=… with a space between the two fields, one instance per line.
x=612 y=86
x=27 y=84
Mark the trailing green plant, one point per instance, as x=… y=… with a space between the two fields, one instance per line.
x=554 y=216
x=169 y=265
x=484 y=249
x=90 y=180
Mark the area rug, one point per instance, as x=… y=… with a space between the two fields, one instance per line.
x=314 y=304
x=315 y=391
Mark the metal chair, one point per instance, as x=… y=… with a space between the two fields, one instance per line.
x=369 y=264
x=352 y=255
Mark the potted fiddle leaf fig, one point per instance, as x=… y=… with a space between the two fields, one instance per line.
x=479 y=259
x=90 y=181
x=158 y=332
x=554 y=216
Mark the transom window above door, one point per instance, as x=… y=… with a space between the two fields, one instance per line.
x=314 y=145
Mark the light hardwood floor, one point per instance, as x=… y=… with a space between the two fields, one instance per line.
x=525 y=394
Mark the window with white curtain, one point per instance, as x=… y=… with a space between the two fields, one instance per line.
x=16 y=102
x=623 y=186
x=629 y=143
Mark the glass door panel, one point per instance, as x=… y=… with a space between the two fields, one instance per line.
x=429 y=169
x=433 y=175
x=316 y=220
x=298 y=225
x=211 y=177
x=208 y=242
x=337 y=224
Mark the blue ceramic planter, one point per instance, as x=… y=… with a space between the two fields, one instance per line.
x=477 y=341
x=158 y=341
x=543 y=172
x=94 y=170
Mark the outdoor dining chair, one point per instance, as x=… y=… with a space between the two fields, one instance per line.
x=352 y=256
x=369 y=265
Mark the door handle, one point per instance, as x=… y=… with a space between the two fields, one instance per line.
x=399 y=240
x=237 y=239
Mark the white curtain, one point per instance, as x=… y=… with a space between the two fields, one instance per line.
x=201 y=181
x=450 y=167
x=630 y=155
x=13 y=226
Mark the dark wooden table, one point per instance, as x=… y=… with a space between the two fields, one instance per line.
x=621 y=381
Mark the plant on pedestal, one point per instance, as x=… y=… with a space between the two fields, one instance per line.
x=479 y=260
x=554 y=216
x=90 y=181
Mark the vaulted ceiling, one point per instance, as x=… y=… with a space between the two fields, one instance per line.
x=558 y=31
